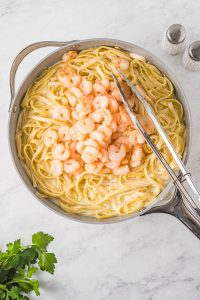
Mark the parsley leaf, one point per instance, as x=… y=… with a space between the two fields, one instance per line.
x=42 y=240
x=19 y=263
x=47 y=262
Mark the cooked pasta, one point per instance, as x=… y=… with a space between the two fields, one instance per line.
x=77 y=143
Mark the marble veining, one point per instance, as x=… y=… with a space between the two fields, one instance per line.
x=147 y=258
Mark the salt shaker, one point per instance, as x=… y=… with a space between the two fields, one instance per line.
x=174 y=39
x=191 y=57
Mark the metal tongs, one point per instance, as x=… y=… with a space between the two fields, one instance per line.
x=177 y=180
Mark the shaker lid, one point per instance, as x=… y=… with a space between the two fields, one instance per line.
x=194 y=50
x=176 y=33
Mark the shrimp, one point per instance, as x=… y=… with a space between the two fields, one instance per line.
x=102 y=115
x=106 y=116
x=76 y=91
x=61 y=151
x=64 y=76
x=147 y=123
x=86 y=87
x=132 y=101
x=61 y=113
x=85 y=126
x=76 y=79
x=115 y=153
x=121 y=126
x=69 y=55
x=71 y=166
x=83 y=108
x=125 y=141
x=80 y=146
x=64 y=133
x=99 y=88
x=113 y=105
x=125 y=118
x=105 y=170
x=122 y=63
x=76 y=134
x=97 y=135
x=72 y=147
x=91 y=154
x=72 y=99
x=75 y=115
x=100 y=102
x=105 y=83
x=126 y=89
x=113 y=126
x=104 y=153
x=50 y=137
x=107 y=132
x=116 y=94
x=136 y=137
x=112 y=164
x=116 y=135
x=121 y=170
x=136 y=156
x=143 y=93
x=92 y=143
x=94 y=167
x=56 y=168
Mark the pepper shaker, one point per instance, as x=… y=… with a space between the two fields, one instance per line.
x=174 y=39
x=191 y=57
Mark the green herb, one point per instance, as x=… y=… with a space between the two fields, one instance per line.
x=19 y=263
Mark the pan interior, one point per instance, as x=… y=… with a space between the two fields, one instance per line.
x=165 y=195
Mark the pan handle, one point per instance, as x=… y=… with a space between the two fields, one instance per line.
x=186 y=212
x=18 y=59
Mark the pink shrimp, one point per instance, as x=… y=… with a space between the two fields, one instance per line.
x=105 y=83
x=136 y=137
x=86 y=87
x=100 y=101
x=113 y=105
x=99 y=88
x=97 y=135
x=137 y=156
x=83 y=108
x=91 y=154
x=112 y=164
x=69 y=55
x=72 y=99
x=107 y=132
x=115 y=153
x=76 y=91
x=61 y=113
x=71 y=166
x=125 y=141
x=50 y=137
x=94 y=167
x=64 y=133
x=61 y=151
x=85 y=126
x=80 y=146
x=56 y=168
x=121 y=170
x=147 y=123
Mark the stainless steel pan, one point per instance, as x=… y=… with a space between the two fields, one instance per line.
x=169 y=200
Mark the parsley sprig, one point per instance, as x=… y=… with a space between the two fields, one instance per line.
x=19 y=263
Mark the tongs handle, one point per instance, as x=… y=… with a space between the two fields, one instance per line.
x=186 y=175
x=177 y=180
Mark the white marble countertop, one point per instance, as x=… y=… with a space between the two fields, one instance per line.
x=153 y=257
